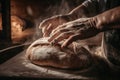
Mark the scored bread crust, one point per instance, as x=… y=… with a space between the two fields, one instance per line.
x=42 y=53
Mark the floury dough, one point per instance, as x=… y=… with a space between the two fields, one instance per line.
x=42 y=53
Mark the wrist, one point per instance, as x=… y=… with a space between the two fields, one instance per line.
x=97 y=23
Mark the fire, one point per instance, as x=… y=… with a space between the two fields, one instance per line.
x=17 y=25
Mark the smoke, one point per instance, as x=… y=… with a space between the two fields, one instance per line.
x=58 y=9
x=52 y=10
x=61 y=8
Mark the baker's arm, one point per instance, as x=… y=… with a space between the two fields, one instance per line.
x=89 y=27
x=87 y=9
x=107 y=20
x=82 y=10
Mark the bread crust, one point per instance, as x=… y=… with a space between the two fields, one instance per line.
x=42 y=53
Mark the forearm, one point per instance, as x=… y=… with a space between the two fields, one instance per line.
x=108 y=20
x=88 y=8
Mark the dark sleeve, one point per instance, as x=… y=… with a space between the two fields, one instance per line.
x=93 y=6
x=88 y=3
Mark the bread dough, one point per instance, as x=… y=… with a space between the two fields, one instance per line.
x=42 y=53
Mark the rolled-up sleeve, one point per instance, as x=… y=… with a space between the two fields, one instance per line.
x=99 y=5
x=87 y=3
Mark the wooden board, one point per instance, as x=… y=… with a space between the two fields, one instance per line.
x=18 y=67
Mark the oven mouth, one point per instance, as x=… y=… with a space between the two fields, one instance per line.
x=8 y=53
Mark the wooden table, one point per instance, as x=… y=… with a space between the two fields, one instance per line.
x=19 y=68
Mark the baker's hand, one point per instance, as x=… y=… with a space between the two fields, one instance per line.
x=72 y=31
x=49 y=24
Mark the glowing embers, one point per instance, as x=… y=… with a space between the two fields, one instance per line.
x=17 y=25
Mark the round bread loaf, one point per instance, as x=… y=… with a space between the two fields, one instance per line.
x=42 y=53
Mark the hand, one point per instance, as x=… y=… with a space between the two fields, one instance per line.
x=49 y=24
x=72 y=31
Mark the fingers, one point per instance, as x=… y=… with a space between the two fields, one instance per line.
x=58 y=29
x=70 y=40
x=50 y=24
x=58 y=33
x=62 y=36
x=65 y=27
x=44 y=25
x=69 y=32
x=47 y=30
x=69 y=36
